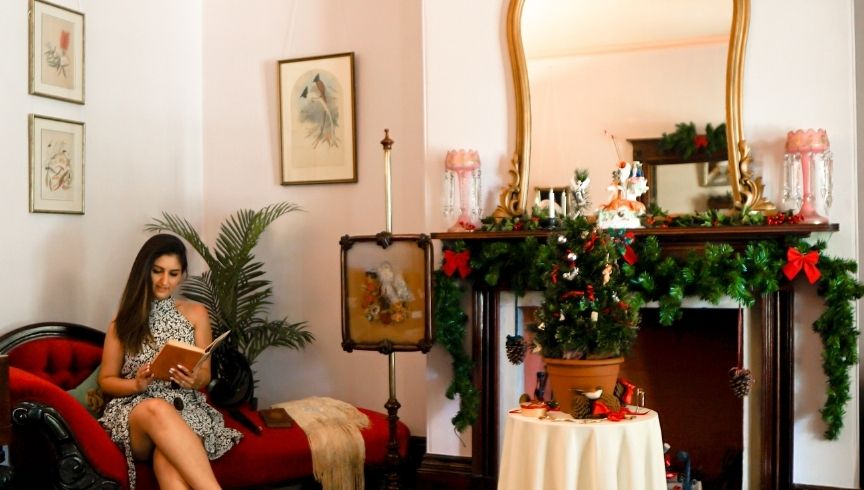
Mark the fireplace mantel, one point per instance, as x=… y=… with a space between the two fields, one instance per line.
x=777 y=370
x=673 y=235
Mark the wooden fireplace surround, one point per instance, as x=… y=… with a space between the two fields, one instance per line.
x=777 y=376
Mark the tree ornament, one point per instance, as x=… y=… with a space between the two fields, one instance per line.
x=515 y=345
x=741 y=379
x=516 y=348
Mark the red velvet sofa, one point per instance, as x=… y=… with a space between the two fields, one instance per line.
x=57 y=443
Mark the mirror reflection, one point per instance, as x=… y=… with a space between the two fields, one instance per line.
x=603 y=73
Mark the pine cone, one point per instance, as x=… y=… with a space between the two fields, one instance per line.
x=516 y=348
x=741 y=381
x=619 y=390
x=581 y=406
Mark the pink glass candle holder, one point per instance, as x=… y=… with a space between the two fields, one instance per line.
x=808 y=155
x=462 y=183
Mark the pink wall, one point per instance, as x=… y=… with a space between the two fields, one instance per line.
x=242 y=44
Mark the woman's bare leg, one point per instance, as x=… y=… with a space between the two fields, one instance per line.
x=155 y=423
x=166 y=474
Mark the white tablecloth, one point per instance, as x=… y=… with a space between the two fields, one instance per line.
x=598 y=455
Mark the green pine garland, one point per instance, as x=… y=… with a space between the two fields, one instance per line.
x=717 y=272
x=685 y=142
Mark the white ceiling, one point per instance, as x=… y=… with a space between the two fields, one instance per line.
x=552 y=28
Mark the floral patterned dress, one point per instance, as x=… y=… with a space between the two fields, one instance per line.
x=166 y=322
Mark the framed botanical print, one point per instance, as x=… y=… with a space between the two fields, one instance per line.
x=317 y=120
x=56 y=52
x=386 y=292
x=56 y=165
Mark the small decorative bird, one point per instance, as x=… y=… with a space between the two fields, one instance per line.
x=593 y=395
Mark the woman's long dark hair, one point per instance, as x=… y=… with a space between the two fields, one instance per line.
x=132 y=322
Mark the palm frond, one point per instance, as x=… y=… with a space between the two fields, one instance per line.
x=182 y=227
x=234 y=290
x=275 y=333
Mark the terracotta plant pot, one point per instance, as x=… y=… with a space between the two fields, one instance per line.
x=568 y=375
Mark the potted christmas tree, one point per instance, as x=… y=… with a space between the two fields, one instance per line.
x=588 y=319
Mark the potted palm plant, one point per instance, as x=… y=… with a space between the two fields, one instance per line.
x=588 y=318
x=236 y=295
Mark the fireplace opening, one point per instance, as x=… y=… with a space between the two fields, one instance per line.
x=683 y=369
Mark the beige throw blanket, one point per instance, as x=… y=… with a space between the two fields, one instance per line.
x=333 y=430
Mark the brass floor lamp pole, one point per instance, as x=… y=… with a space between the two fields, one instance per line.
x=392 y=405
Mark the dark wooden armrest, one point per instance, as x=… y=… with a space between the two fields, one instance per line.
x=85 y=455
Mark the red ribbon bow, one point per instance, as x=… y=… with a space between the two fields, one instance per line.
x=629 y=390
x=589 y=291
x=797 y=261
x=601 y=408
x=456 y=261
x=629 y=255
x=590 y=243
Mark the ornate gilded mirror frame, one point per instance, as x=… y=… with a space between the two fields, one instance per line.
x=747 y=189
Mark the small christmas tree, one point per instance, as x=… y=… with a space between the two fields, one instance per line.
x=587 y=312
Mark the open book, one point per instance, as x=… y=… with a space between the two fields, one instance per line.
x=175 y=352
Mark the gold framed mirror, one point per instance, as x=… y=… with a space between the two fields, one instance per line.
x=747 y=189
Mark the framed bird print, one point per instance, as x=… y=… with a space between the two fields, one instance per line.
x=56 y=165
x=56 y=52
x=386 y=292
x=317 y=120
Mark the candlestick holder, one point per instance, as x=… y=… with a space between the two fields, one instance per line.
x=807 y=170
x=462 y=183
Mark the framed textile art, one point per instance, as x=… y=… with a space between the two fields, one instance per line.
x=56 y=52
x=386 y=292
x=317 y=120
x=56 y=165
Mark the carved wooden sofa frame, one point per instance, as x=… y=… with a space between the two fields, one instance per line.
x=57 y=443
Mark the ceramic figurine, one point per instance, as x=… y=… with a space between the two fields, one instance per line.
x=623 y=210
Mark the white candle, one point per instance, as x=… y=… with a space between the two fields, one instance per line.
x=551 y=203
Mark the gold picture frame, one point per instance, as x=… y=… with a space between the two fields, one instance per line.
x=56 y=165
x=317 y=122
x=386 y=292
x=56 y=48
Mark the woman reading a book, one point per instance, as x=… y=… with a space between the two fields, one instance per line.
x=167 y=421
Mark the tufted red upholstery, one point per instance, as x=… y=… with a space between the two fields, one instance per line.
x=42 y=369
x=64 y=362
